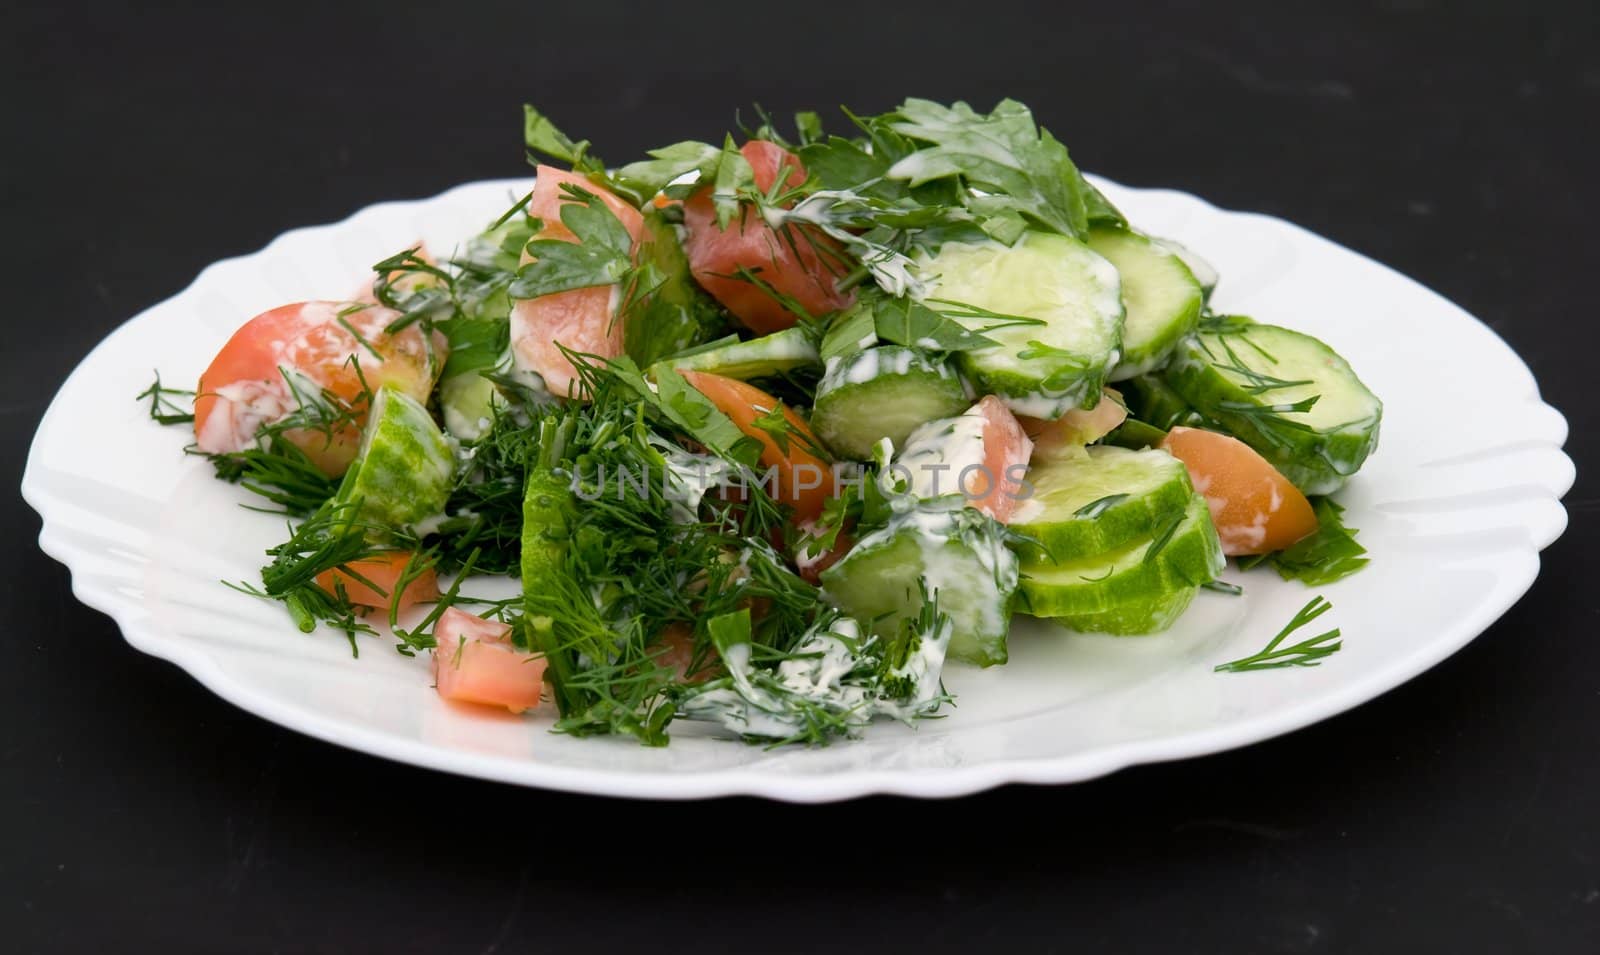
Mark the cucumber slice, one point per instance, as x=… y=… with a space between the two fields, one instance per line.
x=1089 y=504
x=1161 y=296
x=1204 y=272
x=1186 y=553
x=1139 y=617
x=879 y=393
x=469 y=403
x=404 y=472
x=938 y=550
x=754 y=358
x=679 y=314
x=1287 y=395
x=1151 y=400
x=1036 y=369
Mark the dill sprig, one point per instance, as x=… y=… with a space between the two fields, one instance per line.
x=168 y=406
x=1307 y=653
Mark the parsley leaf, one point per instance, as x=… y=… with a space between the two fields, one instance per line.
x=601 y=256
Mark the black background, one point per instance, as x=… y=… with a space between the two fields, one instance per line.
x=138 y=812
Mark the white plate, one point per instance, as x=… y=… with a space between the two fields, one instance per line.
x=1455 y=507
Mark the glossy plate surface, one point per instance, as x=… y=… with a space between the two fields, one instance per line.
x=1454 y=508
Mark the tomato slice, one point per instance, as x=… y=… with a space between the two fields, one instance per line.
x=581 y=320
x=1255 y=508
x=385 y=571
x=476 y=662
x=800 y=263
x=244 y=389
x=802 y=478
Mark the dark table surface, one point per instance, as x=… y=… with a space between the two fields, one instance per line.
x=139 y=813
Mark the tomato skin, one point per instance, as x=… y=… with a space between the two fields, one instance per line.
x=385 y=571
x=243 y=390
x=476 y=662
x=792 y=264
x=802 y=477
x=581 y=320
x=1255 y=508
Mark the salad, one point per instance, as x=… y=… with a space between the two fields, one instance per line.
x=770 y=432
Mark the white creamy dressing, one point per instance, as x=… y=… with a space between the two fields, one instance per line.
x=832 y=668
x=865 y=366
x=938 y=453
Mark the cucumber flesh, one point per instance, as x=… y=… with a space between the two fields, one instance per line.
x=1045 y=369
x=1287 y=395
x=405 y=470
x=939 y=550
x=1186 y=555
x=468 y=402
x=883 y=392
x=754 y=358
x=1160 y=294
x=1107 y=498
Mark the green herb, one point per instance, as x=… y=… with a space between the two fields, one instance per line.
x=1223 y=587
x=1095 y=508
x=168 y=406
x=1306 y=653
x=1330 y=553
x=602 y=254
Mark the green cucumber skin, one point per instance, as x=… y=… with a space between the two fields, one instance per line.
x=1190 y=558
x=404 y=473
x=761 y=357
x=1162 y=300
x=1317 y=461
x=851 y=417
x=1151 y=400
x=1139 y=618
x=1065 y=536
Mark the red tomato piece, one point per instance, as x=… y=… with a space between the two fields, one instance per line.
x=321 y=343
x=583 y=320
x=476 y=662
x=802 y=264
x=384 y=571
x=1255 y=508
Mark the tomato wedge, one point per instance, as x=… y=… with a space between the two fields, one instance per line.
x=321 y=344
x=385 y=571
x=996 y=489
x=582 y=320
x=476 y=662
x=801 y=263
x=1255 y=508
x=802 y=478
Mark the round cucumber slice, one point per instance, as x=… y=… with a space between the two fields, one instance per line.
x=1084 y=505
x=1139 y=617
x=1162 y=298
x=1183 y=555
x=1073 y=296
x=883 y=392
x=1287 y=395
x=405 y=470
